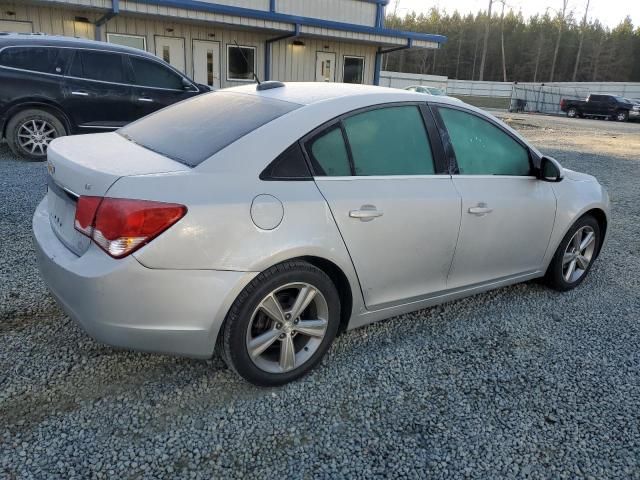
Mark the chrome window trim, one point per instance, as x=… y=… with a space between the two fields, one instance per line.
x=196 y=89
x=439 y=176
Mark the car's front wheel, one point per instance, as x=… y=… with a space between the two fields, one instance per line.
x=575 y=255
x=282 y=324
x=30 y=132
x=622 y=116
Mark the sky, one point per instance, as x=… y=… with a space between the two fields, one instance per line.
x=609 y=12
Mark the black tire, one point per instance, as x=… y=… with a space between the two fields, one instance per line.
x=572 y=113
x=233 y=336
x=622 y=116
x=554 y=277
x=22 y=122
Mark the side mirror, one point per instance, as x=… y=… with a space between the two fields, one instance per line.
x=550 y=170
x=186 y=84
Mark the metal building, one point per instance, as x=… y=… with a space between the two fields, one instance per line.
x=289 y=40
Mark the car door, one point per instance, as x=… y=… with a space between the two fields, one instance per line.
x=157 y=86
x=507 y=213
x=395 y=206
x=97 y=94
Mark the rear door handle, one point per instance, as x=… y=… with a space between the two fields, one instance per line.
x=480 y=210
x=80 y=94
x=145 y=99
x=366 y=213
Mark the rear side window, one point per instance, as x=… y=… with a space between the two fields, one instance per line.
x=481 y=148
x=329 y=154
x=148 y=73
x=193 y=130
x=389 y=141
x=93 y=65
x=35 y=59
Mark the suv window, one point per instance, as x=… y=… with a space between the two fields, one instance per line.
x=35 y=59
x=481 y=148
x=389 y=141
x=148 y=73
x=94 y=65
x=191 y=131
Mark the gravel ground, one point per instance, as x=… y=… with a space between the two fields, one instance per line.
x=520 y=382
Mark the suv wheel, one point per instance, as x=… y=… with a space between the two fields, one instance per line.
x=281 y=325
x=572 y=113
x=622 y=116
x=29 y=133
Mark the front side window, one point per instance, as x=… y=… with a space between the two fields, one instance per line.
x=94 y=65
x=148 y=73
x=353 y=70
x=135 y=41
x=389 y=141
x=481 y=148
x=35 y=59
x=241 y=62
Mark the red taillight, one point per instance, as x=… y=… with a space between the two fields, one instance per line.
x=562 y=102
x=120 y=226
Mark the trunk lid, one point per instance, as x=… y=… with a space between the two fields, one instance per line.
x=90 y=165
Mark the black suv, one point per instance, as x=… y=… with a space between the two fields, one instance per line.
x=53 y=86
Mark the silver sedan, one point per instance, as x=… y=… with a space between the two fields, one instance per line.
x=261 y=221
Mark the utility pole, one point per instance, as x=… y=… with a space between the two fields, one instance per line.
x=486 y=42
x=459 y=49
x=565 y=3
x=582 y=30
x=504 y=62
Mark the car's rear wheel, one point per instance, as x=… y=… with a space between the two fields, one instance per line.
x=30 y=132
x=572 y=113
x=282 y=324
x=575 y=255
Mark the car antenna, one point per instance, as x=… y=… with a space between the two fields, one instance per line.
x=247 y=62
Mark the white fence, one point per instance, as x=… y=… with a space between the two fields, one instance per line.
x=538 y=97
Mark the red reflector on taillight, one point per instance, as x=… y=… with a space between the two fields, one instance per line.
x=120 y=226
x=86 y=213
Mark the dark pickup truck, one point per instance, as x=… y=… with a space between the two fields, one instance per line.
x=605 y=106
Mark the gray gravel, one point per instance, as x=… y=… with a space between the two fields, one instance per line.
x=520 y=382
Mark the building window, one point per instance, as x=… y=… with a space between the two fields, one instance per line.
x=135 y=41
x=353 y=70
x=241 y=62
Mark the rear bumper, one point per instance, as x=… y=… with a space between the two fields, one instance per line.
x=127 y=305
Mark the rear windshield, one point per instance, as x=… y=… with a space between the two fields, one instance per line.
x=191 y=131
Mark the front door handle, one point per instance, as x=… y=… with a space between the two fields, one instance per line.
x=145 y=99
x=366 y=213
x=480 y=210
x=80 y=94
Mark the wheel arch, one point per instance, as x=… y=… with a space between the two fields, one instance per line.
x=601 y=218
x=51 y=108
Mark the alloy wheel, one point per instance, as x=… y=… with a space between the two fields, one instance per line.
x=287 y=327
x=578 y=254
x=34 y=136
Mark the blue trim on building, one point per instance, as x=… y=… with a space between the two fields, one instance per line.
x=378 y=65
x=295 y=19
x=272 y=5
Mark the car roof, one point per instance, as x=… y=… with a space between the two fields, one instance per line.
x=35 y=39
x=308 y=93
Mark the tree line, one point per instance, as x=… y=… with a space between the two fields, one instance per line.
x=499 y=44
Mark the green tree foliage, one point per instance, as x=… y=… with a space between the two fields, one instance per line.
x=607 y=54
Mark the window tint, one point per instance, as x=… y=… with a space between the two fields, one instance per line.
x=36 y=59
x=389 y=141
x=482 y=148
x=191 y=131
x=353 y=71
x=329 y=154
x=240 y=62
x=94 y=65
x=152 y=74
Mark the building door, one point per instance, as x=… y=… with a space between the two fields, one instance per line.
x=206 y=63
x=325 y=67
x=171 y=50
x=16 y=26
